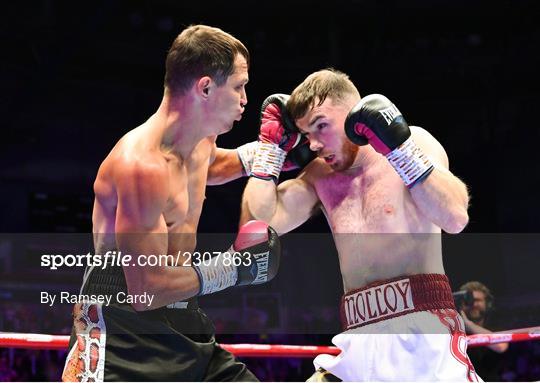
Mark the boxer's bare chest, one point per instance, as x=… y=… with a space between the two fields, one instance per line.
x=187 y=185
x=371 y=200
x=361 y=203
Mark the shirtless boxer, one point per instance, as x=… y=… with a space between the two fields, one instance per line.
x=149 y=193
x=375 y=177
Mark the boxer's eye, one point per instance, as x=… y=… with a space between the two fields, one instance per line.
x=321 y=126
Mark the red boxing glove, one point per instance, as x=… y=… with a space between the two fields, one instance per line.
x=253 y=259
x=297 y=158
x=276 y=125
x=259 y=248
x=278 y=135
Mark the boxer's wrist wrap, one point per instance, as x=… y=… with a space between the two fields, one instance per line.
x=410 y=162
x=268 y=160
x=246 y=153
x=215 y=276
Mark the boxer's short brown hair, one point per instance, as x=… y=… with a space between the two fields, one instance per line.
x=316 y=88
x=200 y=51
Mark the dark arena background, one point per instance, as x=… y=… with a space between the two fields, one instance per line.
x=76 y=76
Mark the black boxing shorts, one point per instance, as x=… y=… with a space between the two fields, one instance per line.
x=113 y=342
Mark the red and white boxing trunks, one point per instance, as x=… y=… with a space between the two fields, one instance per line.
x=404 y=329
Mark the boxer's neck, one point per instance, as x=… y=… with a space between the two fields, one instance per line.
x=366 y=156
x=178 y=128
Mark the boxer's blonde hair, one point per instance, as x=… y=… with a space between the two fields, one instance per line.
x=200 y=51
x=317 y=87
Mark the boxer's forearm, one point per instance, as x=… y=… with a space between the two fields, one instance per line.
x=141 y=232
x=260 y=199
x=226 y=167
x=165 y=283
x=443 y=198
x=168 y=284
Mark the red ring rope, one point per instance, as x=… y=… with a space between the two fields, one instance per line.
x=58 y=342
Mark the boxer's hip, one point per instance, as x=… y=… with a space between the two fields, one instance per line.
x=405 y=328
x=387 y=299
x=114 y=342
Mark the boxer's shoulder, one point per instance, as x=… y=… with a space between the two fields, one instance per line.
x=131 y=167
x=315 y=170
x=419 y=132
x=422 y=135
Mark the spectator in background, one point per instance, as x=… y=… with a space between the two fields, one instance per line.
x=476 y=315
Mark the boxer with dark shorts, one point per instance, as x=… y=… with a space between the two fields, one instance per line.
x=149 y=193
x=117 y=343
x=387 y=192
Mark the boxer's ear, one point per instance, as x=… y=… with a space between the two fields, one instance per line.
x=203 y=86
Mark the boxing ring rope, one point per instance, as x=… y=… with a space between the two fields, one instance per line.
x=59 y=342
